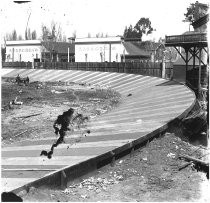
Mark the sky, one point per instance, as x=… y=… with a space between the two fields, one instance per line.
x=95 y=16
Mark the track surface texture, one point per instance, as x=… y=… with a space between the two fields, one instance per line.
x=148 y=104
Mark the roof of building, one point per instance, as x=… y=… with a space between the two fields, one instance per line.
x=147 y=45
x=23 y=42
x=134 y=50
x=94 y=40
x=201 y=21
x=59 y=47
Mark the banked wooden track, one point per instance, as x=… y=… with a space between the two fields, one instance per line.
x=153 y=104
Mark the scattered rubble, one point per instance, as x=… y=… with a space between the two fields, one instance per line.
x=96 y=184
x=15 y=102
x=43 y=96
x=172 y=155
x=57 y=92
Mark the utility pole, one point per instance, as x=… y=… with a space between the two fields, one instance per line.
x=110 y=54
x=26 y=34
x=68 y=54
x=23 y=2
x=199 y=73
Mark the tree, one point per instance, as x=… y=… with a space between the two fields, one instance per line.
x=28 y=34
x=3 y=53
x=195 y=11
x=130 y=32
x=64 y=39
x=14 y=35
x=11 y=36
x=51 y=35
x=142 y=27
x=45 y=32
x=20 y=37
x=33 y=35
x=74 y=34
x=101 y=35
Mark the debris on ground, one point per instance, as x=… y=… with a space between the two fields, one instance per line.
x=31 y=115
x=15 y=102
x=156 y=178
x=96 y=184
x=197 y=163
x=40 y=96
x=171 y=155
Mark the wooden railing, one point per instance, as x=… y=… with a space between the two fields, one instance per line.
x=198 y=37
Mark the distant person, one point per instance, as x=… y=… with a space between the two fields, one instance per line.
x=26 y=81
x=18 y=80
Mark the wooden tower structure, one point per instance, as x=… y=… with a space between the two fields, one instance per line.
x=195 y=45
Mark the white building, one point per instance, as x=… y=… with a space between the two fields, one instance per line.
x=109 y=49
x=99 y=49
x=36 y=50
x=24 y=50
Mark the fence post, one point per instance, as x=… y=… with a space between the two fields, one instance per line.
x=124 y=68
x=33 y=64
x=163 y=68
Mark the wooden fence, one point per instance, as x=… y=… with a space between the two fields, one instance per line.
x=144 y=68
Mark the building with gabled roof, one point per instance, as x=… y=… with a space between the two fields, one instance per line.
x=134 y=53
x=201 y=24
x=108 y=49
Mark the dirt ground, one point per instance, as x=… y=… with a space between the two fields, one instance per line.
x=150 y=174
x=43 y=102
